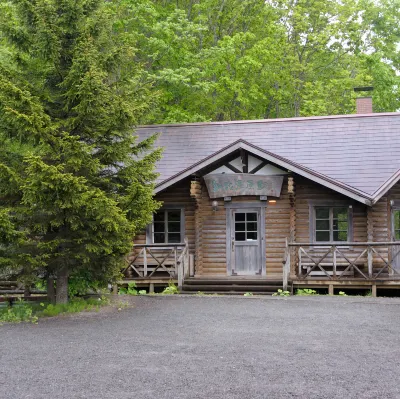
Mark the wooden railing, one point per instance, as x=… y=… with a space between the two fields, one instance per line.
x=151 y=261
x=338 y=260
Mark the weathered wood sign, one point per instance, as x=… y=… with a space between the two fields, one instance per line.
x=232 y=185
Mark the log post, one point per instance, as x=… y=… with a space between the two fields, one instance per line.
x=330 y=289
x=196 y=194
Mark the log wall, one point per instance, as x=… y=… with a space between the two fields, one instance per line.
x=205 y=228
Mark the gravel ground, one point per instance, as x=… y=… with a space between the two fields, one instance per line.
x=209 y=347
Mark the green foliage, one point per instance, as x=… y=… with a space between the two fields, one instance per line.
x=250 y=59
x=171 y=289
x=248 y=294
x=342 y=293
x=75 y=305
x=281 y=293
x=75 y=186
x=20 y=311
x=306 y=292
x=142 y=292
x=129 y=290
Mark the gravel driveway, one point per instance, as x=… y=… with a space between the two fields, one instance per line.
x=209 y=347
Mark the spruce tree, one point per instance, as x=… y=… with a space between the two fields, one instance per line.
x=75 y=185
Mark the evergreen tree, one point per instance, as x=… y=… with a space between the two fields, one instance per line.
x=75 y=186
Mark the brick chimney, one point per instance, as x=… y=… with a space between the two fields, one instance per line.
x=364 y=104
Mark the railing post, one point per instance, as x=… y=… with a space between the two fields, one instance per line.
x=334 y=261
x=144 y=262
x=286 y=267
x=186 y=259
x=179 y=269
x=300 y=265
x=370 y=257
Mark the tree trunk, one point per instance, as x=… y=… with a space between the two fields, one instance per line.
x=51 y=290
x=27 y=291
x=62 y=285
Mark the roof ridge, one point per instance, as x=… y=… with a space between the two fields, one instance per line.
x=277 y=120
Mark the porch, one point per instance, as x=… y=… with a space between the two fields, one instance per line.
x=353 y=265
x=338 y=265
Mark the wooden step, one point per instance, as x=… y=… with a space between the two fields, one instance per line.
x=234 y=288
x=236 y=282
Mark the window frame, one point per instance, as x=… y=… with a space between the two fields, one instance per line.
x=395 y=207
x=150 y=227
x=327 y=204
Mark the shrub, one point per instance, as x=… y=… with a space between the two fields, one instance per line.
x=17 y=313
x=281 y=293
x=130 y=290
x=171 y=289
x=306 y=292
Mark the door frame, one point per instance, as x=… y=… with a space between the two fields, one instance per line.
x=255 y=206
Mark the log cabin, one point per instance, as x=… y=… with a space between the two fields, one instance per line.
x=253 y=206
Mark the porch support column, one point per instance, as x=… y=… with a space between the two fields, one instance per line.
x=196 y=194
x=373 y=290
x=370 y=238
x=292 y=236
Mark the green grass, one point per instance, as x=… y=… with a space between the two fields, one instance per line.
x=22 y=311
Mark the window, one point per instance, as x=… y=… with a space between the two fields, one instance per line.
x=246 y=226
x=331 y=223
x=167 y=226
x=396 y=223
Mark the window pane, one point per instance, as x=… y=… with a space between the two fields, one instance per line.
x=159 y=227
x=240 y=236
x=338 y=225
x=240 y=217
x=240 y=226
x=174 y=238
x=159 y=238
x=322 y=224
x=174 y=216
x=159 y=217
x=340 y=236
x=252 y=235
x=252 y=217
x=322 y=213
x=322 y=236
x=397 y=220
x=340 y=213
x=251 y=226
x=174 y=227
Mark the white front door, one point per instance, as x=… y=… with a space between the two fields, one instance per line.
x=245 y=242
